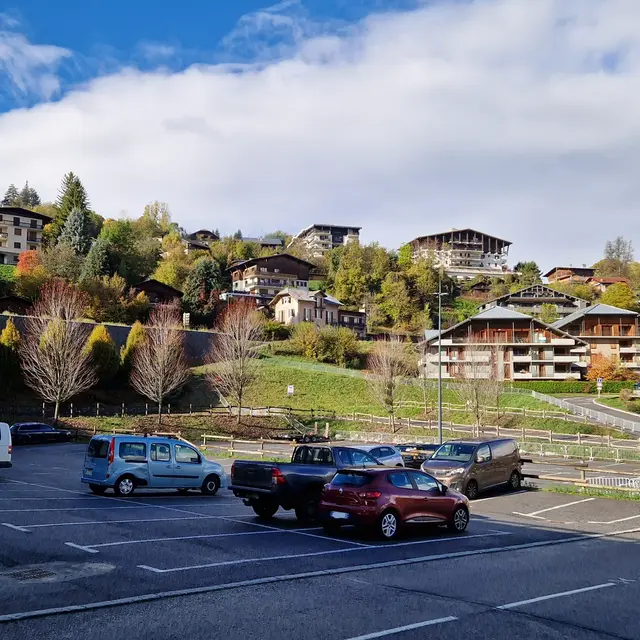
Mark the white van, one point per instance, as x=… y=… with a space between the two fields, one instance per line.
x=5 y=446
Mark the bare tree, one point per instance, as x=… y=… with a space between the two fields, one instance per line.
x=55 y=362
x=160 y=367
x=389 y=365
x=233 y=353
x=479 y=381
x=427 y=385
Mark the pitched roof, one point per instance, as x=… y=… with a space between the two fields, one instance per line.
x=305 y=295
x=25 y=213
x=546 y=275
x=593 y=310
x=271 y=241
x=558 y=294
x=151 y=283
x=500 y=313
x=609 y=279
x=450 y=231
x=243 y=263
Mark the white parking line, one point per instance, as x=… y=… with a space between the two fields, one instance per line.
x=162 y=595
x=559 y=506
x=553 y=596
x=66 y=509
x=313 y=554
x=406 y=627
x=14 y=527
x=615 y=521
x=515 y=493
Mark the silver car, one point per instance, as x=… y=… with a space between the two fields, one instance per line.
x=389 y=455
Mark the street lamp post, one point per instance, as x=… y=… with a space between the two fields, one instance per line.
x=440 y=361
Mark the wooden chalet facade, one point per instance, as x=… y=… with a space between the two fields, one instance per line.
x=158 y=292
x=530 y=300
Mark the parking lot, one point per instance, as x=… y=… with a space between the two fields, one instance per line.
x=533 y=563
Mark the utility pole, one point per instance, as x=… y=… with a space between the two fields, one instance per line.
x=440 y=360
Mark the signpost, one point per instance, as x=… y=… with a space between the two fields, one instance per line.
x=600 y=383
x=290 y=390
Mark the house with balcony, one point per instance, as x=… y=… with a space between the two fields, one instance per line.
x=20 y=230
x=503 y=344
x=530 y=300
x=263 y=278
x=317 y=239
x=575 y=275
x=606 y=332
x=464 y=253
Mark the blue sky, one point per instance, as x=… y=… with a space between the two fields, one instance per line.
x=405 y=117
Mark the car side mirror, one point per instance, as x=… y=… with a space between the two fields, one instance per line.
x=443 y=489
x=480 y=459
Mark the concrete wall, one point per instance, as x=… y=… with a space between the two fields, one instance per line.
x=197 y=343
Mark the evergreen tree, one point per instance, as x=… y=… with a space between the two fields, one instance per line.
x=96 y=263
x=201 y=288
x=137 y=335
x=76 y=231
x=9 y=359
x=103 y=353
x=29 y=196
x=11 y=197
x=72 y=195
x=237 y=235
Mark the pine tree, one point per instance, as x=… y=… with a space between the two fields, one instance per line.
x=96 y=263
x=76 y=231
x=11 y=197
x=136 y=337
x=72 y=195
x=201 y=288
x=29 y=196
x=103 y=353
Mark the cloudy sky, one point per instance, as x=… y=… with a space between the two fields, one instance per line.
x=519 y=118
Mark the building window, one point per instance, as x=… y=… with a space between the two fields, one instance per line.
x=276 y=271
x=32 y=247
x=15 y=258
x=16 y=245
x=34 y=224
x=16 y=222
x=18 y=232
x=307 y=314
x=32 y=236
x=291 y=313
x=263 y=269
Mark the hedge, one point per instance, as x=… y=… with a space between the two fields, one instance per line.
x=570 y=386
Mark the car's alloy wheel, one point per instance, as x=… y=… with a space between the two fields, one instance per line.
x=389 y=525
x=460 y=520
x=514 y=481
x=125 y=486
x=471 y=490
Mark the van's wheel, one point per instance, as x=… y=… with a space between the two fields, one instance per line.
x=515 y=481
x=97 y=489
x=388 y=525
x=471 y=490
x=210 y=485
x=125 y=486
x=307 y=511
x=459 y=520
x=264 y=509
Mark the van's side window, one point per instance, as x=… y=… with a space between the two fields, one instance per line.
x=485 y=452
x=132 y=450
x=503 y=448
x=160 y=452
x=186 y=455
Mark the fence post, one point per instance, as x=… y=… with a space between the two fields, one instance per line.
x=524 y=411
x=409 y=423
x=326 y=430
x=71 y=410
x=169 y=409
x=97 y=409
x=261 y=448
x=315 y=427
x=524 y=435
x=231 y=449
x=123 y=409
x=189 y=408
x=43 y=410
x=579 y=438
x=497 y=430
x=550 y=435
x=146 y=408
x=210 y=410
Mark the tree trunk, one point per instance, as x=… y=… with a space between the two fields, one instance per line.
x=55 y=411
x=239 y=416
x=159 y=413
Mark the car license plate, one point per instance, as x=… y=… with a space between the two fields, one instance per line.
x=339 y=515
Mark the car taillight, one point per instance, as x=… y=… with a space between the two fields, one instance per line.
x=233 y=469
x=10 y=449
x=112 y=451
x=276 y=476
x=369 y=495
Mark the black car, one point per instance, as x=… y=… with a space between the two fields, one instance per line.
x=38 y=432
x=414 y=454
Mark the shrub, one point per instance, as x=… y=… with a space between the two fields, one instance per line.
x=9 y=358
x=338 y=345
x=304 y=340
x=273 y=330
x=571 y=386
x=135 y=338
x=104 y=353
x=625 y=395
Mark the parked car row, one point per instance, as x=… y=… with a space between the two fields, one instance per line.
x=38 y=433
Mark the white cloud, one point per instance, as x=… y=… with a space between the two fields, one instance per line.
x=154 y=51
x=515 y=117
x=27 y=70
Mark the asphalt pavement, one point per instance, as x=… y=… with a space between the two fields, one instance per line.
x=532 y=564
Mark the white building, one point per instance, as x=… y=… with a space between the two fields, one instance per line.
x=465 y=253
x=20 y=230
x=317 y=239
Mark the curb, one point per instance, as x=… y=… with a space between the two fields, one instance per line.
x=629 y=413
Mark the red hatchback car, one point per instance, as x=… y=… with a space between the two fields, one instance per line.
x=388 y=499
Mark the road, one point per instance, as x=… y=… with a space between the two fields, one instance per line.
x=590 y=403
x=532 y=564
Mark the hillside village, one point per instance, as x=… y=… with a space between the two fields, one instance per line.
x=506 y=321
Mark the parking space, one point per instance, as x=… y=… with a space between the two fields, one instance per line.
x=62 y=547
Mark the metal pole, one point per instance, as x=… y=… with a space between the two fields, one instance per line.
x=440 y=361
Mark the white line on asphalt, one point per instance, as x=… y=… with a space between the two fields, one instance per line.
x=552 y=596
x=406 y=627
x=515 y=493
x=13 y=526
x=315 y=553
x=90 y=522
x=559 y=506
x=615 y=521
x=151 y=597
x=66 y=509
x=78 y=546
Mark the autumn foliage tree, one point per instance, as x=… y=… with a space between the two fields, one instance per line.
x=609 y=369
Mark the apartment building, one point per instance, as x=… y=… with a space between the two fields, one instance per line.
x=20 y=230
x=575 y=275
x=292 y=306
x=503 y=344
x=605 y=331
x=464 y=253
x=265 y=277
x=530 y=300
x=317 y=239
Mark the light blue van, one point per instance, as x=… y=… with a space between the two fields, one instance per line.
x=125 y=463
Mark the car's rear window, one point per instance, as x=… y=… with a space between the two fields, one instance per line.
x=98 y=448
x=351 y=479
x=132 y=450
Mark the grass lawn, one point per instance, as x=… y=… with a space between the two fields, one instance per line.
x=617 y=403
x=594 y=493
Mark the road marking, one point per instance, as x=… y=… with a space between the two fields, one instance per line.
x=515 y=493
x=16 y=528
x=84 y=523
x=406 y=627
x=559 y=506
x=78 y=546
x=66 y=509
x=552 y=596
x=527 y=515
x=162 y=595
x=313 y=554
x=615 y=521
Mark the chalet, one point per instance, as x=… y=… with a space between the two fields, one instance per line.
x=158 y=292
x=464 y=253
x=20 y=230
x=530 y=300
x=502 y=344
x=606 y=331
x=602 y=284
x=570 y=274
x=267 y=242
x=265 y=277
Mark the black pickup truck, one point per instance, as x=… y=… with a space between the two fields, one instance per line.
x=266 y=486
